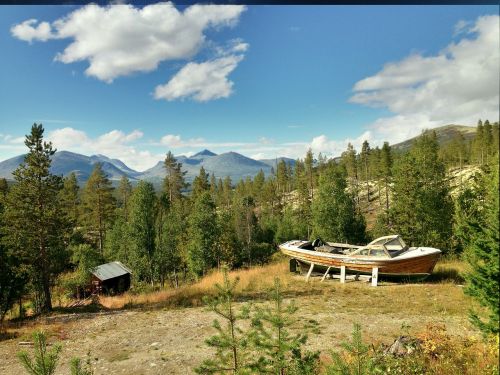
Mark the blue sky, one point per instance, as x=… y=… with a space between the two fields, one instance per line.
x=266 y=81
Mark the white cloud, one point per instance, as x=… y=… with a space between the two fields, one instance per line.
x=114 y=144
x=118 y=40
x=459 y=85
x=27 y=31
x=201 y=81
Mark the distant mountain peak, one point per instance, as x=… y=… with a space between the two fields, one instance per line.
x=204 y=152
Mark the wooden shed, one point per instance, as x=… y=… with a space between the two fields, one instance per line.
x=111 y=278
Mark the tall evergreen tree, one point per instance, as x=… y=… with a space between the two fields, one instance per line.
x=200 y=183
x=34 y=222
x=124 y=193
x=203 y=233
x=12 y=278
x=386 y=170
x=174 y=181
x=365 y=162
x=98 y=205
x=482 y=253
x=142 y=231
x=422 y=209
x=69 y=198
x=334 y=213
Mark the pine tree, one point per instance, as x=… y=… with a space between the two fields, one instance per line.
x=246 y=225
x=12 y=278
x=174 y=181
x=230 y=342
x=200 y=183
x=70 y=200
x=422 y=208
x=142 y=231
x=348 y=159
x=35 y=226
x=365 y=161
x=279 y=350
x=386 y=171
x=334 y=213
x=124 y=193
x=98 y=205
x=202 y=233
x=309 y=172
x=44 y=362
x=358 y=351
x=482 y=253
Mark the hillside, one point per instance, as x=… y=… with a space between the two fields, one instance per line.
x=444 y=135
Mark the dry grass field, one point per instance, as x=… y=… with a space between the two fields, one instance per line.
x=164 y=332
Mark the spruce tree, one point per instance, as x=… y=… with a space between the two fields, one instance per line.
x=35 y=226
x=98 y=206
x=482 y=253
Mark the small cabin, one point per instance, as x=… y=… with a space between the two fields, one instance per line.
x=111 y=278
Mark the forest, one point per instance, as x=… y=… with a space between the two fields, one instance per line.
x=54 y=232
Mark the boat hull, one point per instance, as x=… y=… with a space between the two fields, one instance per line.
x=418 y=265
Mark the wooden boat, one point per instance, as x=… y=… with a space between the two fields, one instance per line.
x=389 y=254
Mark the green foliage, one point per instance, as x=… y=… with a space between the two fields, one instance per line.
x=69 y=198
x=124 y=193
x=482 y=253
x=142 y=233
x=279 y=352
x=34 y=224
x=85 y=258
x=203 y=234
x=174 y=182
x=44 y=362
x=422 y=209
x=78 y=367
x=98 y=204
x=230 y=342
x=355 y=360
x=334 y=213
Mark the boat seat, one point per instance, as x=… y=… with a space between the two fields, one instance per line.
x=329 y=249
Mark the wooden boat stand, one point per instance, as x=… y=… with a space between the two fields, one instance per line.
x=343 y=277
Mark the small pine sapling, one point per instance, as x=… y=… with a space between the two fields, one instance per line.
x=359 y=363
x=280 y=351
x=230 y=341
x=44 y=362
x=78 y=367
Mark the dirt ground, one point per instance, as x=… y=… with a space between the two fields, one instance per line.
x=171 y=341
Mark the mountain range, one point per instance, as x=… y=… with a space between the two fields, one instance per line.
x=229 y=164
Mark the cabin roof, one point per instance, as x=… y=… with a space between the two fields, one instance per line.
x=110 y=270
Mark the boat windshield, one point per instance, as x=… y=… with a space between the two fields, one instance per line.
x=388 y=247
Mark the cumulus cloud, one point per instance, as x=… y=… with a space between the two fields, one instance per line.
x=118 y=40
x=201 y=81
x=27 y=31
x=114 y=144
x=458 y=85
